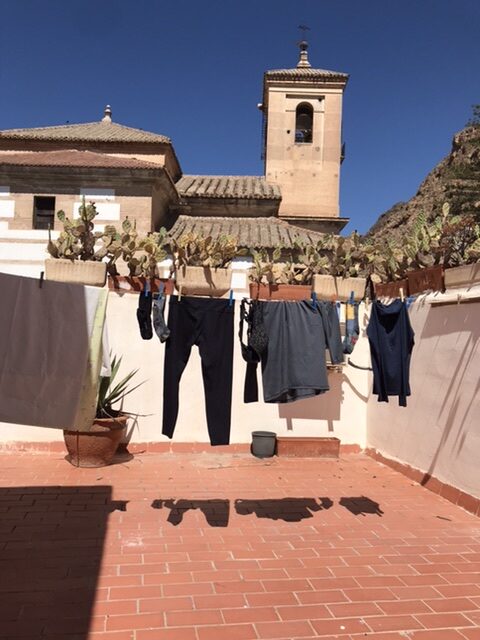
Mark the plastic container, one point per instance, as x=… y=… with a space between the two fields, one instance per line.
x=263 y=444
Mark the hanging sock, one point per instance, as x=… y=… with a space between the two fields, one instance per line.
x=159 y=323
x=352 y=328
x=144 y=312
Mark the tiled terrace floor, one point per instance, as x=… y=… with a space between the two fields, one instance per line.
x=219 y=546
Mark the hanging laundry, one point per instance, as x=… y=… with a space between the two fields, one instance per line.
x=159 y=323
x=251 y=313
x=391 y=339
x=352 y=328
x=207 y=323
x=294 y=364
x=50 y=352
x=144 y=313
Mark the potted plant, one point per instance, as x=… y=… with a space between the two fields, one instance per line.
x=97 y=447
x=141 y=256
x=74 y=256
x=290 y=279
x=341 y=273
x=384 y=263
x=201 y=264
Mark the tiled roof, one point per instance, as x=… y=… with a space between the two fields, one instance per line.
x=72 y=158
x=250 y=232
x=304 y=73
x=88 y=132
x=254 y=187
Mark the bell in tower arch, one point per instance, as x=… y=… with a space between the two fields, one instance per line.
x=304 y=123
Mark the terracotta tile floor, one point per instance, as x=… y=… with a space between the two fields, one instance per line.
x=221 y=546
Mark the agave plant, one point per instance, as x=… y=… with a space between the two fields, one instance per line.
x=111 y=392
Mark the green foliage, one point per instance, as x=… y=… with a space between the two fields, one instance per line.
x=78 y=241
x=111 y=392
x=192 y=249
x=447 y=240
x=475 y=119
x=263 y=269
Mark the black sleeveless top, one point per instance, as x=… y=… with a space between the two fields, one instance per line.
x=391 y=339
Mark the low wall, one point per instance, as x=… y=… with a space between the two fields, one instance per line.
x=340 y=412
x=438 y=433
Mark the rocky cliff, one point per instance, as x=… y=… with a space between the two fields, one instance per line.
x=456 y=180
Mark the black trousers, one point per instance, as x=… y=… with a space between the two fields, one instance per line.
x=207 y=323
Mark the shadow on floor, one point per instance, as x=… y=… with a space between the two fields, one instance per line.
x=216 y=512
x=288 y=509
x=51 y=547
x=361 y=505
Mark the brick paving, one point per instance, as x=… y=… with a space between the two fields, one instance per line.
x=220 y=546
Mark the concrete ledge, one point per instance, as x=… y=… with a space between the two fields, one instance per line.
x=58 y=446
x=452 y=494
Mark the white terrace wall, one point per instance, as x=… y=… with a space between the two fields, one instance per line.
x=341 y=412
x=438 y=432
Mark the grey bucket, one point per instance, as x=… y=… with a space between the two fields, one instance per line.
x=263 y=444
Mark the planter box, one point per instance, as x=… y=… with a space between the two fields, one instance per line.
x=463 y=276
x=325 y=287
x=134 y=284
x=308 y=447
x=280 y=291
x=203 y=281
x=77 y=271
x=392 y=289
x=429 y=279
x=328 y=287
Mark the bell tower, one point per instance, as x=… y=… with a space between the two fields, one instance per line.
x=302 y=144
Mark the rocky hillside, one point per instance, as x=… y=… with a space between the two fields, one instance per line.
x=456 y=179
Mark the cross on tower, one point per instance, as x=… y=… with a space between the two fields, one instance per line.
x=303 y=28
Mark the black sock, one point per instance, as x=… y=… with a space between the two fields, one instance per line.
x=144 y=312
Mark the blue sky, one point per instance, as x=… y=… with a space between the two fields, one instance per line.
x=193 y=71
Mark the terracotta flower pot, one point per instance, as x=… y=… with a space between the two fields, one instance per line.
x=203 y=281
x=428 y=279
x=87 y=272
x=392 y=289
x=280 y=291
x=97 y=447
x=134 y=284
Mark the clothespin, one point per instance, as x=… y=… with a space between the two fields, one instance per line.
x=146 y=289
x=459 y=296
x=352 y=297
x=179 y=293
x=314 y=299
x=230 y=298
x=40 y=282
x=402 y=297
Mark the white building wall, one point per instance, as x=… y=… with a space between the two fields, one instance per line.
x=340 y=412
x=439 y=431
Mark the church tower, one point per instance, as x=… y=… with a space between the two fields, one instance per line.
x=302 y=144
